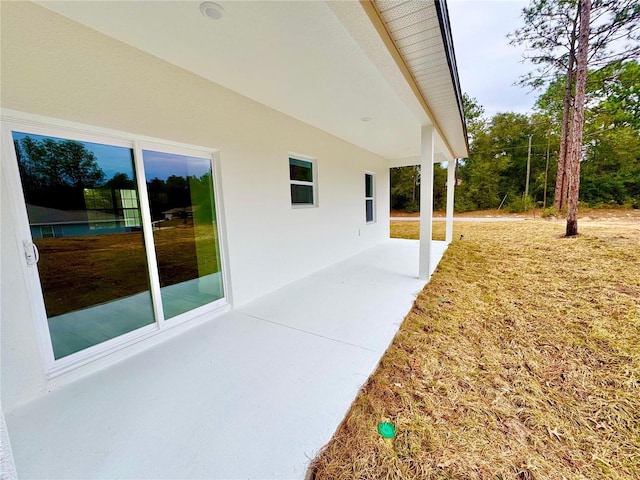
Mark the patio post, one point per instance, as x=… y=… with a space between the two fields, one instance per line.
x=426 y=198
x=451 y=185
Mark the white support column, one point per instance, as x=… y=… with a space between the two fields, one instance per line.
x=427 y=152
x=451 y=186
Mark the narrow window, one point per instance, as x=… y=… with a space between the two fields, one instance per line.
x=369 y=195
x=47 y=231
x=303 y=182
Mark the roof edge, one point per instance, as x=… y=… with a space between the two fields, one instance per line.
x=380 y=25
x=447 y=39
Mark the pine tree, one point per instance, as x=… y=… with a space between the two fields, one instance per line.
x=557 y=33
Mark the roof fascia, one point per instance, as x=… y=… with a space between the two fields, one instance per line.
x=447 y=39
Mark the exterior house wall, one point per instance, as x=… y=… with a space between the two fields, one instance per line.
x=57 y=68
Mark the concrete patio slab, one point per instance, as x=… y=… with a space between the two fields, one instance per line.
x=253 y=393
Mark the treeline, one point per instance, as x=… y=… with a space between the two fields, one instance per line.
x=182 y=192
x=56 y=172
x=405 y=188
x=495 y=173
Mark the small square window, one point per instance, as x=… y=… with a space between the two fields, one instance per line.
x=301 y=194
x=300 y=170
x=302 y=176
x=369 y=197
x=47 y=231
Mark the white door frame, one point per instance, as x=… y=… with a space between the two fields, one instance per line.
x=40 y=125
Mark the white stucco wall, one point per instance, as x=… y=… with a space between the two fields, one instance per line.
x=54 y=67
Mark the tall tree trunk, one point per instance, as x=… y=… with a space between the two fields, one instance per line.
x=546 y=171
x=560 y=196
x=562 y=181
x=574 y=145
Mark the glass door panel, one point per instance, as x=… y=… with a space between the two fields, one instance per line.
x=84 y=216
x=181 y=198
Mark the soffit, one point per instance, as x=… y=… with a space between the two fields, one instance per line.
x=427 y=50
x=299 y=58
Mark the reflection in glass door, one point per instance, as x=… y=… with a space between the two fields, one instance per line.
x=185 y=234
x=84 y=216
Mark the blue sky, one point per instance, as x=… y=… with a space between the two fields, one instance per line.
x=487 y=65
x=162 y=165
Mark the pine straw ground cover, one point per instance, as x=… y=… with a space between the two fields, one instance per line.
x=519 y=360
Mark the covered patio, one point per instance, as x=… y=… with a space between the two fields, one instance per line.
x=256 y=388
x=254 y=394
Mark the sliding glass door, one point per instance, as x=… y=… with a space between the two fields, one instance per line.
x=184 y=230
x=96 y=267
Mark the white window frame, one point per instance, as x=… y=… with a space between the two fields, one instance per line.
x=40 y=125
x=313 y=184
x=372 y=197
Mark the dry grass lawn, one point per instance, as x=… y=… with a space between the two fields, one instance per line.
x=519 y=360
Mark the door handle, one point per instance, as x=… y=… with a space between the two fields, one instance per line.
x=31 y=252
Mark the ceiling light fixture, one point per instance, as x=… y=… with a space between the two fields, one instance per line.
x=366 y=119
x=211 y=10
